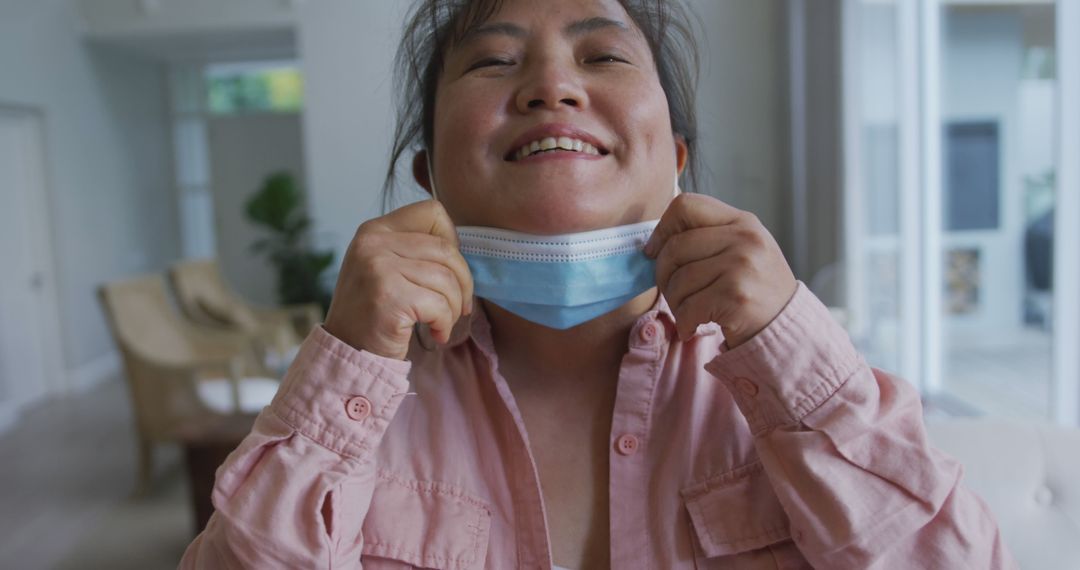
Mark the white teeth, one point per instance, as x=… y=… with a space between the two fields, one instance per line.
x=552 y=143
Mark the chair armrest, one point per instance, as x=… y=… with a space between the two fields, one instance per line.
x=229 y=366
x=303 y=317
x=306 y=317
x=165 y=391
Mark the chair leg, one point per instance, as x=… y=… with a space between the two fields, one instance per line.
x=145 y=468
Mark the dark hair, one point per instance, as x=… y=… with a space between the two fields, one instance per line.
x=432 y=25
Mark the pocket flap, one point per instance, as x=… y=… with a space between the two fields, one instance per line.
x=426 y=524
x=736 y=512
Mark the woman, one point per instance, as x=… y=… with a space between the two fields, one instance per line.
x=714 y=418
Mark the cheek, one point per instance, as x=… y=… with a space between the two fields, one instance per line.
x=646 y=120
x=463 y=122
x=651 y=157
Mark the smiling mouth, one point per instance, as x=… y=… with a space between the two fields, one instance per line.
x=555 y=144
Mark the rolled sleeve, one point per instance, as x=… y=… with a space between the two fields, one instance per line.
x=845 y=451
x=326 y=375
x=791 y=367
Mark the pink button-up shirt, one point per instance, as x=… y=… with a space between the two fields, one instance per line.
x=785 y=452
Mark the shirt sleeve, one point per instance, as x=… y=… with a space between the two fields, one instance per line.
x=295 y=492
x=847 y=454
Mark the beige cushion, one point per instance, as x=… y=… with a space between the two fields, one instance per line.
x=1029 y=474
x=255 y=394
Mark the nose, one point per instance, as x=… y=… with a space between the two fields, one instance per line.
x=551 y=85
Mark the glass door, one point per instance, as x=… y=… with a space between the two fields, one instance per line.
x=955 y=126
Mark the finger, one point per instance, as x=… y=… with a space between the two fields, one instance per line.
x=692 y=245
x=435 y=249
x=435 y=277
x=692 y=278
x=689 y=211
x=430 y=308
x=427 y=217
x=441 y=224
x=709 y=305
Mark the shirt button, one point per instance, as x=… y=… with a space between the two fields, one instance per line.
x=626 y=444
x=358 y=408
x=746 y=386
x=649 y=331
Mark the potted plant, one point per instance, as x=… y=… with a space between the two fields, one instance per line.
x=278 y=206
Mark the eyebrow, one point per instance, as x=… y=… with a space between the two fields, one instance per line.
x=588 y=25
x=578 y=28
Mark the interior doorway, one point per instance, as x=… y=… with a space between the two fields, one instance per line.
x=236 y=123
x=31 y=355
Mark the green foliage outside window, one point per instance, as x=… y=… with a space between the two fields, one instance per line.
x=237 y=90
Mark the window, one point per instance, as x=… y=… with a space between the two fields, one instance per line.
x=254 y=87
x=961 y=176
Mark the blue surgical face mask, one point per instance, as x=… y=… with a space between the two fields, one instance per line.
x=559 y=281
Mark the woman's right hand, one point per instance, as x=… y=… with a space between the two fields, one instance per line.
x=400 y=269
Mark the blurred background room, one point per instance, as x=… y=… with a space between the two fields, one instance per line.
x=178 y=179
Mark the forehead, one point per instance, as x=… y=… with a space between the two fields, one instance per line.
x=521 y=18
x=556 y=9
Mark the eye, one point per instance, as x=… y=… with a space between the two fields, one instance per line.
x=491 y=62
x=606 y=58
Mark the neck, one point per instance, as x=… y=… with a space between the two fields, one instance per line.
x=589 y=353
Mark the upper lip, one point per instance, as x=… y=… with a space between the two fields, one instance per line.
x=554 y=130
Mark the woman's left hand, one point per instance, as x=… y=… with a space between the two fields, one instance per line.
x=716 y=263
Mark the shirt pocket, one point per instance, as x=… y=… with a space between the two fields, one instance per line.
x=424 y=524
x=737 y=522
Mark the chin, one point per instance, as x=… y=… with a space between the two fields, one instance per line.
x=550 y=217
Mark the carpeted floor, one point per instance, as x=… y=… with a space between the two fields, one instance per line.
x=145 y=534
x=68 y=470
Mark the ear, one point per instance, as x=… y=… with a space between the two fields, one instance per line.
x=420 y=170
x=682 y=153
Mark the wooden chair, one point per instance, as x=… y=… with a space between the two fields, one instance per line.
x=205 y=298
x=181 y=377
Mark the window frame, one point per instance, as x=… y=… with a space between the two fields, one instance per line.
x=919 y=168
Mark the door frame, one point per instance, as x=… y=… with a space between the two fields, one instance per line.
x=1065 y=383
x=43 y=241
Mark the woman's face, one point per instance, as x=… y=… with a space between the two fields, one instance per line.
x=574 y=70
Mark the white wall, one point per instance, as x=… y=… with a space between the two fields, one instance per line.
x=742 y=107
x=107 y=138
x=347 y=50
x=822 y=142
x=244 y=150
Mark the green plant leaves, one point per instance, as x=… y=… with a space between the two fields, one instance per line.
x=278 y=207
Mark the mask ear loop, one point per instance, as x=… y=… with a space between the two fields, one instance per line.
x=422 y=331
x=431 y=178
x=677 y=189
